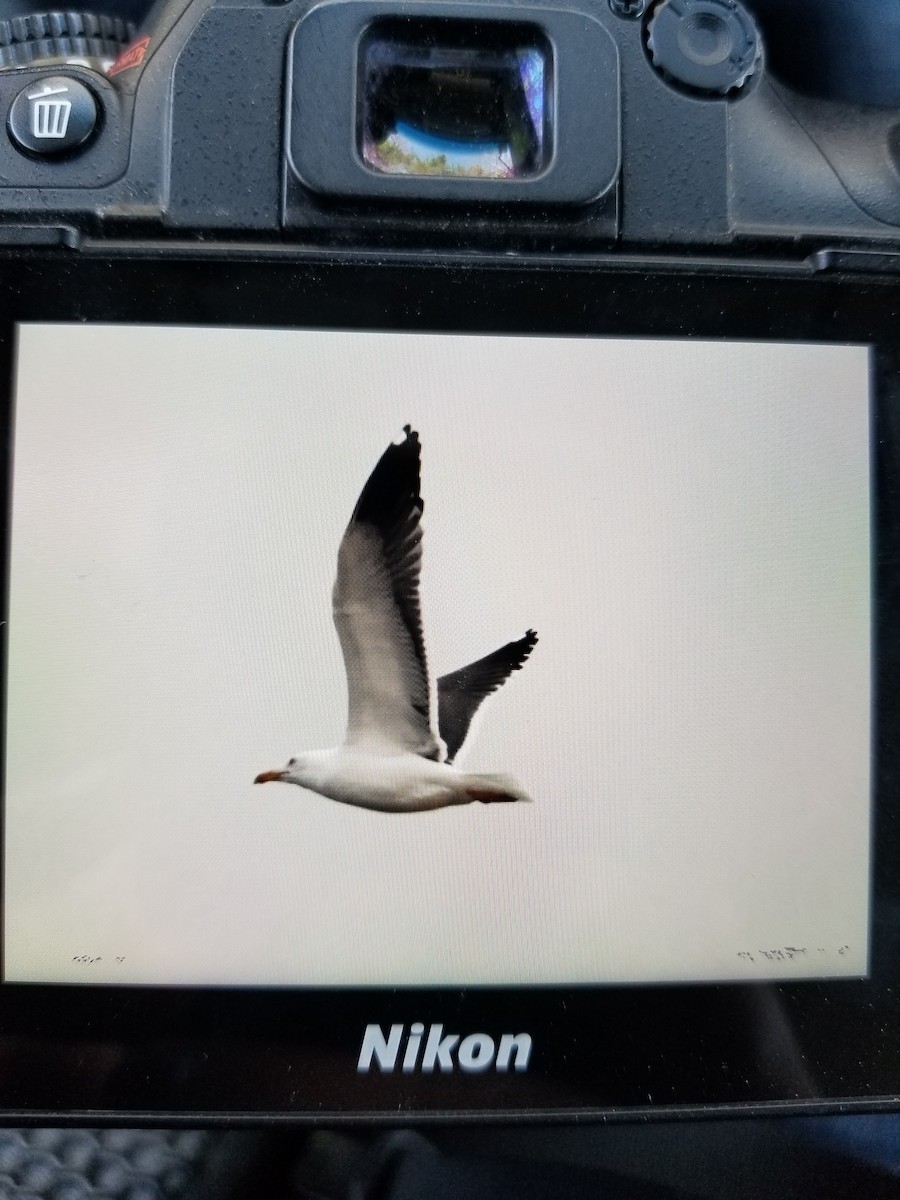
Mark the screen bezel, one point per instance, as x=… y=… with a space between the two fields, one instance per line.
x=206 y=1053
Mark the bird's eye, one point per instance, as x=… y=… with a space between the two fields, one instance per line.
x=292 y=762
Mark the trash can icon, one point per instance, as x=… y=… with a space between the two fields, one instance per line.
x=50 y=113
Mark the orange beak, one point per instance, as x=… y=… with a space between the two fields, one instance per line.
x=271 y=777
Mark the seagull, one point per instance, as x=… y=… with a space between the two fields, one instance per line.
x=396 y=757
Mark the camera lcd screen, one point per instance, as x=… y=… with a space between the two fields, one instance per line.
x=665 y=545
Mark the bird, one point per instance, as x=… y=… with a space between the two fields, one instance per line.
x=403 y=735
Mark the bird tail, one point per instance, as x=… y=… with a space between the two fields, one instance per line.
x=493 y=789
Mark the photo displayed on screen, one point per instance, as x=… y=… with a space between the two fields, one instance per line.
x=356 y=658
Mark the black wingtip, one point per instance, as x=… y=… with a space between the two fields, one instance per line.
x=526 y=643
x=391 y=494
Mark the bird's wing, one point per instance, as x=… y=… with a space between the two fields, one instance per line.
x=377 y=610
x=461 y=693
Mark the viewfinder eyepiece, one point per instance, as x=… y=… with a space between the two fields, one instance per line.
x=455 y=98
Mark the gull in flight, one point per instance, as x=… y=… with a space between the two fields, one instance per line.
x=396 y=757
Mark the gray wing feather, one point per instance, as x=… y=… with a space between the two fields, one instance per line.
x=377 y=611
x=461 y=693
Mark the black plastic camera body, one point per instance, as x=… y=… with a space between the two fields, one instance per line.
x=435 y=123
x=672 y=169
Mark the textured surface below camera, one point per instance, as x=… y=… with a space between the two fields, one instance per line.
x=74 y=1164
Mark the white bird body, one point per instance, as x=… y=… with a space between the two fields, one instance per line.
x=393 y=782
x=402 y=733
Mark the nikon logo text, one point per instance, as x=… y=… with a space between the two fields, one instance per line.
x=441 y=1051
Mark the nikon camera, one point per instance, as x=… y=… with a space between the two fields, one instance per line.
x=450 y=638
x=745 y=127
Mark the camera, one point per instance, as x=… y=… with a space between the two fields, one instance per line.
x=502 y=396
x=604 y=125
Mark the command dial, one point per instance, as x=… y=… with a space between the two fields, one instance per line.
x=85 y=38
x=712 y=47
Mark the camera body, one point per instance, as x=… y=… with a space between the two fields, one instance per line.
x=236 y=236
x=662 y=125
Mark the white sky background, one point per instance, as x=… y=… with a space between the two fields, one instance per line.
x=685 y=525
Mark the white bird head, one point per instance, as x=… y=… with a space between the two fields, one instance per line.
x=295 y=772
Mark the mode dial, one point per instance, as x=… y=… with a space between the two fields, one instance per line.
x=710 y=46
x=85 y=38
